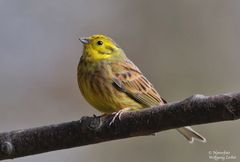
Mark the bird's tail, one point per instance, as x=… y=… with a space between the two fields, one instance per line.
x=191 y=135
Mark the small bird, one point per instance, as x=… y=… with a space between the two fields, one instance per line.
x=112 y=83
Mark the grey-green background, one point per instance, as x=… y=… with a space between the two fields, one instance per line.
x=184 y=47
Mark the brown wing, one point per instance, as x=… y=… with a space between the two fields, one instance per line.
x=129 y=79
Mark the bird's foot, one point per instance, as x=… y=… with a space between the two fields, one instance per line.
x=118 y=115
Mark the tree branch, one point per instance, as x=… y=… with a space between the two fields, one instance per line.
x=197 y=109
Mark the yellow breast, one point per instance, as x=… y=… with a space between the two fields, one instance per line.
x=97 y=88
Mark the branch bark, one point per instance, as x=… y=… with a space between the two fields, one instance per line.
x=197 y=109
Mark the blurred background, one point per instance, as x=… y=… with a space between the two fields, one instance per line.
x=183 y=47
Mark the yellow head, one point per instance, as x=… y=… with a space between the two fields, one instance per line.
x=100 y=47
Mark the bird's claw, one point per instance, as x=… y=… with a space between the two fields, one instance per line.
x=118 y=115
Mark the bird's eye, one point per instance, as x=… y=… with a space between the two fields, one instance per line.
x=99 y=43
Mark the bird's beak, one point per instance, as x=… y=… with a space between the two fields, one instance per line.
x=84 y=40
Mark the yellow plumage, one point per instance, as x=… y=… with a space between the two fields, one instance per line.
x=110 y=82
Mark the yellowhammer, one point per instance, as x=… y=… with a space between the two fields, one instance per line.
x=111 y=83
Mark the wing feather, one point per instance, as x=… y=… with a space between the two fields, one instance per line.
x=129 y=79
